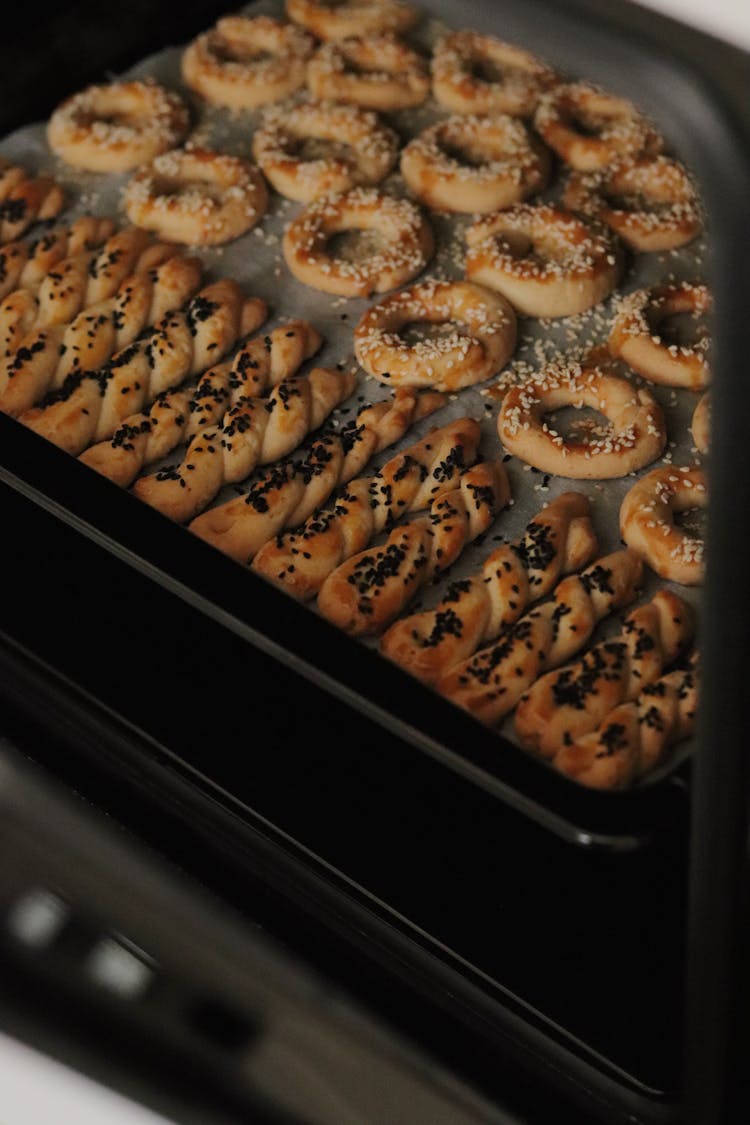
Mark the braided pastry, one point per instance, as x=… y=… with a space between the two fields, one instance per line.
x=90 y=406
x=634 y=738
x=490 y=684
x=571 y=701
x=76 y=283
x=367 y=591
x=559 y=539
x=25 y=199
x=24 y=264
x=52 y=356
x=300 y=562
x=255 y=432
x=287 y=495
x=178 y=416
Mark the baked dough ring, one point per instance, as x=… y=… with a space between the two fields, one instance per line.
x=647 y=522
x=649 y=202
x=379 y=72
x=243 y=62
x=475 y=164
x=480 y=345
x=197 y=197
x=352 y=17
x=638 y=431
x=512 y=82
x=634 y=336
x=589 y=128
x=701 y=424
x=117 y=127
x=546 y=261
x=25 y=199
x=361 y=150
x=406 y=243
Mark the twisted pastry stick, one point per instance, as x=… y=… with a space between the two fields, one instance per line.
x=559 y=539
x=367 y=591
x=178 y=416
x=571 y=701
x=288 y=494
x=25 y=264
x=634 y=738
x=25 y=199
x=255 y=432
x=490 y=684
x=91 y=405
x=300 y=562
x=82 y=280
x=65 y=351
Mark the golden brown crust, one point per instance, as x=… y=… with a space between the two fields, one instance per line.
x=25 y=199
x=647 y=522
x=23 y=265
x=378 y=72
x=635 y=335
x=634 y=738
x=367 y=591
x=196 y=196
x=515 y=87
x=243 y=62
x=352 y=18
x=299 y=562
x=559 y=540
x=490 y=683
x=405 y=243
x=548 y=262
x=50 y=353
x=481 y=341
x=361 y=151
x=649 y=202
x=116 y=127
x=290 y=494
x=572 y=701
x=90 y=406
x=590 y=129
x=475 y=164
x=701 y=423
x=637 y=430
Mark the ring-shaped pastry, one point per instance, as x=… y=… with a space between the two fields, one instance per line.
x=474 y=165
x=379 y=72
x=197 y=197
x=635 y=336
x=636 y=435
x=650 y=202
x=352 y=17
x=701 y=424
x=404 y=243
x=546 y=261
x=590 y=129
x=358 y=149
x=647 y=522
x=481 y=341
x=243 y=62
x=115 y=128
x=481 y=74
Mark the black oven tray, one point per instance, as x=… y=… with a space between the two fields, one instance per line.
x=273 y=635
x=261 y=712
